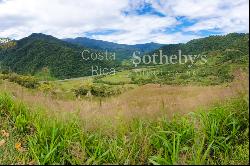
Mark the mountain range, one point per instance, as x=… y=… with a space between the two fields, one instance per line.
x=64 y=58
x=122 y=50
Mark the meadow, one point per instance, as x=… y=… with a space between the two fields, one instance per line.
x=146 y=124
x=53 y=112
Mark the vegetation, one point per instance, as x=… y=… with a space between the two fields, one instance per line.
x=45 y=75
x=7 y=45
x=99 y=90
x=219 y=135
x=122 y=51
x=223 y=55
x=120 y=78
x=25 y=81
x=33 y=54
x=233 y=41
x=36 y=52
x=99 y=120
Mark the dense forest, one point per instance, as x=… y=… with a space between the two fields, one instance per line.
x=234 y=42
x=36 y=52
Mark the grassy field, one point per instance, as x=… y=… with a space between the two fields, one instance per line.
x=119 y=78
x=218 y=135
x=146 y=101
x=145 y=124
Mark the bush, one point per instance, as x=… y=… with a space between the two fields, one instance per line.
x=45 y=87
x=26 y=81
x=98 y=90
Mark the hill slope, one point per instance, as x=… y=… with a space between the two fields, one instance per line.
x=30 y=55
x=213 y=43
x=38 y=51
x=222 y=56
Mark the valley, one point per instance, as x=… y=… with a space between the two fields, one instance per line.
x=52 y=105
x=124 y=82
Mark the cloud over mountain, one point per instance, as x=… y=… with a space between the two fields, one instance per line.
x=124 y=21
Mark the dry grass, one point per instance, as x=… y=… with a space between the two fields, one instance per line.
x=149 y=101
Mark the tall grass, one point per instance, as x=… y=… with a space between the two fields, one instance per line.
x=219 y=135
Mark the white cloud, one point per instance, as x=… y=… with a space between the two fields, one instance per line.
x=163 y=38
x=60 y=17
x=63 y=18
x=224 y=15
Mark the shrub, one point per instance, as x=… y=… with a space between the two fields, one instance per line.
x=45 y=87
x=98 y=90
x=26 y=81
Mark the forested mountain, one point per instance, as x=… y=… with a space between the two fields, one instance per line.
x=236 y=41
x=64 y=60
x=32 y=54
x=123 y=51
x=214 y=61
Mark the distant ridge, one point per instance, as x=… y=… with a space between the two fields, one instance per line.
x=123 y=51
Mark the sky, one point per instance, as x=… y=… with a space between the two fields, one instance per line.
x=124 y=21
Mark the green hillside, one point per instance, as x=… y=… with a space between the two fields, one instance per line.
x=215 y=59
x=62 y=60
x=38 y=51
x=213 y=43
